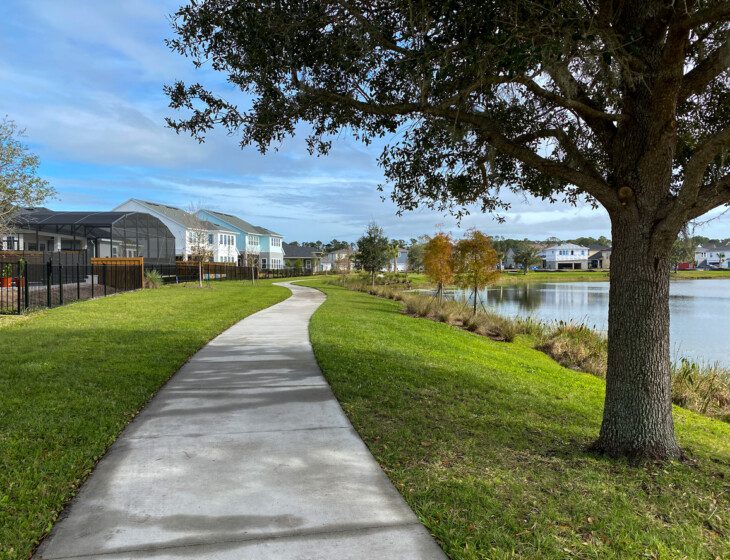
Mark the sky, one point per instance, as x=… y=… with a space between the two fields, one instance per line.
x=85 y=79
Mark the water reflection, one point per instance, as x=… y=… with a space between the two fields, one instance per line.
x=700 y=311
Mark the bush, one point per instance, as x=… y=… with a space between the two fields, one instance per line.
x=152 y=279
x=575 y=346
x=704 y=389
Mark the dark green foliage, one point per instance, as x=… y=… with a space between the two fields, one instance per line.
x=372 y=250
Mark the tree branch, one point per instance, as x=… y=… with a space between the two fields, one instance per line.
x=710 y=197
x=580 y=107
x=713 y=14
x=588 y=182
x=381 y=39
x=706 y=70
x=573 y=89
x=694 y=170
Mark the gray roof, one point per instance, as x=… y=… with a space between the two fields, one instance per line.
x=292 y=251
x=713 y=249
x=178 y=215
x=243 y=225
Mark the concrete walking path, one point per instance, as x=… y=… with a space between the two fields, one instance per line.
x=244 y=453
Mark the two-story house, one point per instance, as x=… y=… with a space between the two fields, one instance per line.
x=193 y=236
x=712 y=257
x=253 y=242
x=298 y=256
x=340 y=260
x=567 y=256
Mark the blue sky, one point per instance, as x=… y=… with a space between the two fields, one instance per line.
x=85 y=78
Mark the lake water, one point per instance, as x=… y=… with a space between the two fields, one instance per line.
x=700 y=311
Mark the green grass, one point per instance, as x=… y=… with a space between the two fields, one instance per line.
x=71 y=378
x=486 y=441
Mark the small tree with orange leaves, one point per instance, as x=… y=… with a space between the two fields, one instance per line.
x=437 y=261
x=474 y=261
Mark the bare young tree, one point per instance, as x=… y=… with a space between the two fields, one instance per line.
x=198 y=246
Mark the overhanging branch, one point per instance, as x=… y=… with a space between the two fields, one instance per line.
x=588 y=182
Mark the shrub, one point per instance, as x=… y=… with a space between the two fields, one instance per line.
x=152 y=279
x=704 y=389
x=575 y=346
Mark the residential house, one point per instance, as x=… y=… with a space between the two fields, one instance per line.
x=399 y=263
x=509 y=259
x=192 y=235
x=712 y=256
x=599 y=257
x=338 y=261
x=566 y=256
x=262 y=244
x=308 y=258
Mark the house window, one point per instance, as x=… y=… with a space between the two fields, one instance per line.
x=210 y=239
x=275 y=242
x=253 y=240
x=263 y=264
x=309 y=264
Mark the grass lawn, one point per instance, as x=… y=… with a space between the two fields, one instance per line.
x=71 y=378
x=485 y=440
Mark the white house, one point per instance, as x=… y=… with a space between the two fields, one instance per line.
x=338 y=261
x=190 y=232
x=566 y=256
x=265 y=245
x=712 y=257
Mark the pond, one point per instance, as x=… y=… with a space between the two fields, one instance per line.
x=700 y=311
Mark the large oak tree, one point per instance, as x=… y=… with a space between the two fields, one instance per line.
x=622 y=103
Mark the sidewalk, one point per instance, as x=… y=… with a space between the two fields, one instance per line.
x=245 y=453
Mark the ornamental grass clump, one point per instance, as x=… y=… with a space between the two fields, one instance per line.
x=152 y=279
x=704 y=389
x=575 y=346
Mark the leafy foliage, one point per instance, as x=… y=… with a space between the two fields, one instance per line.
x=474 y=262
x=437 y=260
x=372 y=250
x=526 y=255
x=20 y=184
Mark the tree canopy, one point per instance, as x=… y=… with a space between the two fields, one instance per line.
x=511 y=94
x=20 y=184
x=474 y=262
x=372 y=250
x=437 y=260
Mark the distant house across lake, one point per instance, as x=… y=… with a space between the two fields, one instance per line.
x=716 y=256
x=567 y=256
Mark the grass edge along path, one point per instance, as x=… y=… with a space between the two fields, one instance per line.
x=486 y=441
x=71 y=379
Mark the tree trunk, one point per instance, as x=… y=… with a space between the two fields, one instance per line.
x=200 y=274
x=637 y=417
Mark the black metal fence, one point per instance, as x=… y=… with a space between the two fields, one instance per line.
x=28 y=285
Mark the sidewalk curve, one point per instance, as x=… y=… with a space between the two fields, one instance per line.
x=243 y=454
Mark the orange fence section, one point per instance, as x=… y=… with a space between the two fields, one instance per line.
x=130 y=264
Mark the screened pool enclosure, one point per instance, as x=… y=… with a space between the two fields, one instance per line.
x=97 y=234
